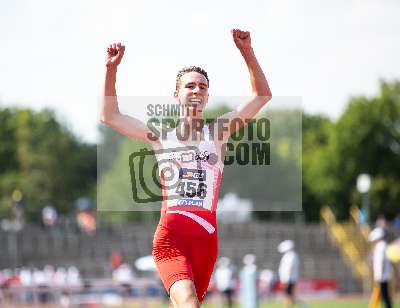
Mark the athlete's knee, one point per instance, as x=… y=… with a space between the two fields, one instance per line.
x=185 y=300
x=189 y=302
x=183 y=294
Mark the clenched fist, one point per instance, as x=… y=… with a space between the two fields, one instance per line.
x=242 y=39
x=115 y=52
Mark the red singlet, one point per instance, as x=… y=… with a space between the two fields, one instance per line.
x=185 y=244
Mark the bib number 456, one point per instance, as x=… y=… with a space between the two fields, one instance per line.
x=192 y=189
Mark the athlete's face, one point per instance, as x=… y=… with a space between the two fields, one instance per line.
x=193 y=93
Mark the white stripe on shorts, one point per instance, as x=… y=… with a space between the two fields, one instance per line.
x=201 y=221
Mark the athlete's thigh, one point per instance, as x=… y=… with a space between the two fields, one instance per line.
x=203 y=262
x=183 y=292
x=172 y=268
x=171 y=258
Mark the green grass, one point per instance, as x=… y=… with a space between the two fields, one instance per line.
x=343 y=303
x=339 y=303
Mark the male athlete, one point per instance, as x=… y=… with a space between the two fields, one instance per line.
x=185 y=243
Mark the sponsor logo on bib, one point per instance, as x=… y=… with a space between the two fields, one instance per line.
x=190 y=202
x=192 y=174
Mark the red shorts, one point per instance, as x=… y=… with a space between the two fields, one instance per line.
x=185 y=257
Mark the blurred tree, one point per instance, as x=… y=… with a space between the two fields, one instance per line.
x=365 y=139
x=317 y=133
x=8 y=146
x=44 y=160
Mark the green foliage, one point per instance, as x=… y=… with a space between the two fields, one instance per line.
x=316 y=161
x=365 y=139
x=8 y=147
x=44 y=161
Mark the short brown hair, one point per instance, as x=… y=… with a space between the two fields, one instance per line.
x=189 y=69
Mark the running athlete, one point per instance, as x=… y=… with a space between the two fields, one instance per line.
x=185 y=242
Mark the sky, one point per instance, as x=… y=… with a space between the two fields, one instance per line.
x=52 y=52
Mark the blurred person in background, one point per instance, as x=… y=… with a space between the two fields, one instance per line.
x=267 y=281
x=49 y=216
x=41 y=282
x=86 y=215
x=25 y=276
x=225 y=280
x=289 y=271
x=248 y=283
x=60 y=277
x=124 y=277
x=8 y=279
x=381 y=268
x=49 y=272
x=73 y=278
x=60 y=282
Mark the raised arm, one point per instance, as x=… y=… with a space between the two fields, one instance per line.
x=110 y=114
x=261 y=93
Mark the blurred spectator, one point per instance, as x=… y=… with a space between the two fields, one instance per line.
x=124 y=276
x=85 y=216
x=248 y=283
x=25 y=277
x=7 y=279
x=40 y=280
x=289 y=271
x=267 y=280
x=49 y=216
x=233 y=209
x=73 y=278
x=60 y=277
x=224 y=279
x=381 y=269
x=49 y=273
x=86 y=221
